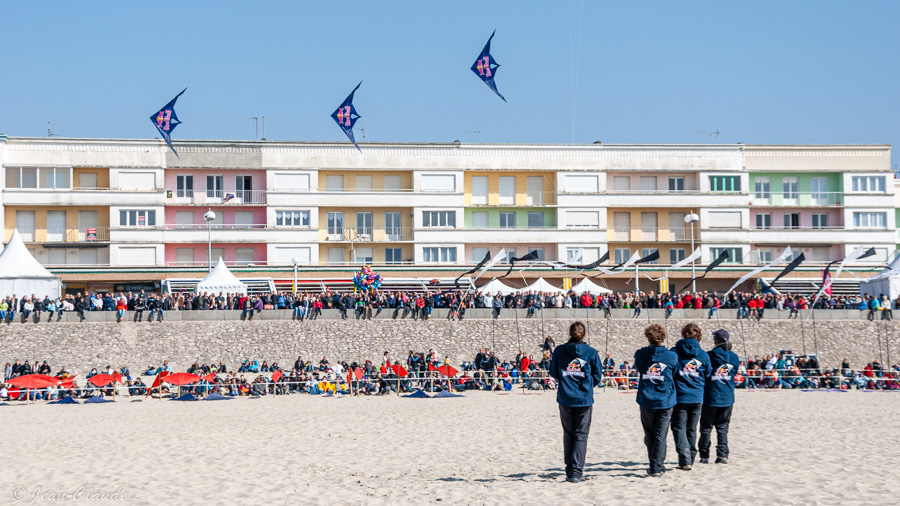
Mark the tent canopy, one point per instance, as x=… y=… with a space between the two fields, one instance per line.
x=496 y=286
x=220 y=279
x=22 y=275
x=541 y=285
x=586 y=285
x=889 y=286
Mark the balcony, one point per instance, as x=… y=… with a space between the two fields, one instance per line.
x=521 y=199
x=366 y=235
x=215 y=197
x=652 y=234
x=225 y=233
x=89 y=235
x=797 y=199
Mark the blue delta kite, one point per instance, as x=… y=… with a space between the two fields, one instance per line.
x=345 y=116
x=165 y=120
x=486 y=67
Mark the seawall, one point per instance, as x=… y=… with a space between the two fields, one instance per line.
x=219 y=335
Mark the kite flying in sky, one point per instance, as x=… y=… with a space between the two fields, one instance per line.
x=486 y=66
x=165 y=120
x=345 y=116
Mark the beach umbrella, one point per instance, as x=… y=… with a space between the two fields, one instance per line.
x=182 y=378
x=96 y=400
x=399 y=370
x=66 y=400
x=14 y=393
x=217 y=397
x=447 y=370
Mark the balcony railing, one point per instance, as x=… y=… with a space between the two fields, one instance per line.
x=63 y=235
x=799 y=199
x=653 y=234
x=356 y=190
x=803 y=227
x=535 y=198
x=221 y=226
x=366 y=234
x=216 y=197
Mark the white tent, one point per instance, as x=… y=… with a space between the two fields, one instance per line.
x=586 y=285
x=495 y=286
x=889 y=286
x=541 y=285
x=220 y=279
x=22 y=275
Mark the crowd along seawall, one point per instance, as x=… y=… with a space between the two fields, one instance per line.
x=211 y=336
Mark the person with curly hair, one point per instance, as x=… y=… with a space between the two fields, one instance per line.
x=655 y=365
x=690 y=378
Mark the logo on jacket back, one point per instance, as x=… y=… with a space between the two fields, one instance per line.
x=655 y=373
x=723 y=373
x=691 y=368
x=575 y=368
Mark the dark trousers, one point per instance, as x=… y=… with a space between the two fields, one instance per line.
x=576 y=422
x=656 y=428
x=718 y=417
x=684 y=429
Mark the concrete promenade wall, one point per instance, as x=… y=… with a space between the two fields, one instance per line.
x=219 y=335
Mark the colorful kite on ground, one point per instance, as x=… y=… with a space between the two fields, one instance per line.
x=345 y=116
x=486 y=67
x=165 y=120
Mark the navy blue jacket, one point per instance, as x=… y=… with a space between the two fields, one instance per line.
x=720 y=386
x=693 y=369
x=656 y=366
x=576 y=369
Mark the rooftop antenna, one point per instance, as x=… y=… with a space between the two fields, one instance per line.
x=256 y=120
x=710 y=134
x=477 y=135
x=49 y=132
x=363 y=131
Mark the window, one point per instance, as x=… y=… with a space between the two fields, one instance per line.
x=479 y=190
x=762 y=188
x=335 y=224
x=819 y=192
x=364 y=255
x=789 y=188
x=478 y=254
x=243 y=256
x=574 y=255
x=25 y=221
x=291 y=218
x=648 y=251
x=184 y=220
x=436 y=255
x=480 y=219
x=137 y=218
x=582 y=219
x=184 y=256
x=55 y=178
x=820 y=220
x=243 y=186
x=735 y=255
x=723 y=184
x=393 y=255
x=392 y=226
x=392 y=183
x=676 y=255
x=288 y=182
x=438 y=183
x=582 y=184
x=334 y=183
x=765 y=256
x=622 y=226
x=539 y=251
x=764 y=221
x=871 y=184
x=184 y=186
x=439 y=219
x=622 y=255
x=870 y=220
x=676 y=184
x=621 y=183
x=507 y=220
x=363 y=183
x=215 y=186
x=536 y=220
x=725 y=219
x=791 y=220
x=21 y=177
x=648 y=183
x=507 y=190
x=243 y=219
x=335 y=255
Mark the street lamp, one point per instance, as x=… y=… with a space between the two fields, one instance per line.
x=692 y=218
x=209 y=217
x=296 y=262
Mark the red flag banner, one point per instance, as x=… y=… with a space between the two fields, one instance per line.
x=276 y=376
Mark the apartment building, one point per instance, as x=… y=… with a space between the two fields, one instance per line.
x=119 y=203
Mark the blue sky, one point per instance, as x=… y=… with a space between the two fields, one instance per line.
x=643 y=72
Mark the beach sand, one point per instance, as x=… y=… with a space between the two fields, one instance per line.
x=786 y=447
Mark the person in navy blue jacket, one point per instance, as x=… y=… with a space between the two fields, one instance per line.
x=577 y=370
x=690 y=379
x=718 y=399
x=656 y=394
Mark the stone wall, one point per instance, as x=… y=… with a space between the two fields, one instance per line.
x=79 y=346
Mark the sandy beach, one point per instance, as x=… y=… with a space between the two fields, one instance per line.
x=786 y=447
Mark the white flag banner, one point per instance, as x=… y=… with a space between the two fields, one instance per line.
x=858 y=253
x=781 y=258
x=499 y=257
x=628 y=263
x=577 y=257
x=694 y=256
x=892 y=270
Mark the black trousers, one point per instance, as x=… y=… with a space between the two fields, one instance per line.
x=656 y=428
x=718 y=418
x=684 y=429
x=576 y=423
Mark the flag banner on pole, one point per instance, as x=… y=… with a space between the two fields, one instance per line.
x=799 y=259
x=781 y=258
x=533 y=255
x=827 y=278
x=622 y=266
x=652 y=257
x=497 y=258
x=715 y=263
x=485 y=260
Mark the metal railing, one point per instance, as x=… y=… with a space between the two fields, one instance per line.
x=800 y=199
x=215 y=197
x=366 y=234
x=356 y=190
x=515 y=199
x=63 y=234
x=653 y=234
x=220 y=226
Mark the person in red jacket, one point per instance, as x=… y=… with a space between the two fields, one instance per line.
x=586 y=300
